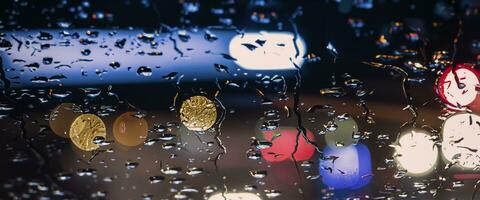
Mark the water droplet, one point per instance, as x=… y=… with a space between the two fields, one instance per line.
x=258 y=173
x=114 y=65
x=86 y=52
x=194 y=171
x=131 y=164
x=171 y=170
x=144 y=71
x=272 y=193
x=156 y=179
x=44 y=36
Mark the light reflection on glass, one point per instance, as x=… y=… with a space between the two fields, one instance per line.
x=130 y=130
x=267 y=50
x=460 y=140
x=61 y=118
x=458 y=91
x=198 y=113
x=347 y=167
x=416 y=152
x=85 y=129
x=343 y=134
x=283 y=145
x=234 y=196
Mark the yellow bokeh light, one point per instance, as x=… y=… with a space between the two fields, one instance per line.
x=198 y=113
x=84 y=130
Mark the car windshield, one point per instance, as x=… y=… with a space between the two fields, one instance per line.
x=237 y=100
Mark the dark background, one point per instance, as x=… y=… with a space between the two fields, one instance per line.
x=436 y=22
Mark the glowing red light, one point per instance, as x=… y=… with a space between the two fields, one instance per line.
x=284 y=140
x=458 y=89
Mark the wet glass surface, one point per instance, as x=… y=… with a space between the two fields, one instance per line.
x=346 y=99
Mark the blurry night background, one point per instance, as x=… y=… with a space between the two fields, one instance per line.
x=371 y=71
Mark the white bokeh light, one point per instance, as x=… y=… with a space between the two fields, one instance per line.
x=235 y=196
x=461 y=140
x=416 y=153
x=267 y=50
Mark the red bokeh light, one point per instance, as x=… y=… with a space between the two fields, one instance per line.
x=456 y=97
x=284 y=145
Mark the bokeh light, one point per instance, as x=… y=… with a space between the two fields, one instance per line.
x=347 y=167
x=267 y=55
x=130 y=130
x=460 y=135
x=416 y=152
x=234 y=196
x=85 y=129
x=283 y=141
x=198 y=113
x=61 y=118
x=458 y=89
x=343 y=133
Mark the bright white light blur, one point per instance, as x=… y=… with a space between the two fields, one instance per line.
x=235 y=196
x=267 y=50
x=416 y=153
x=461 y=140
